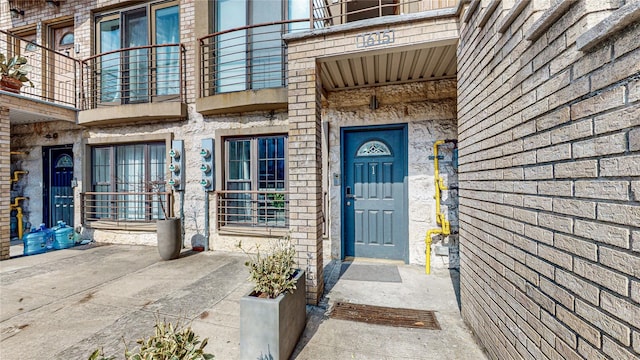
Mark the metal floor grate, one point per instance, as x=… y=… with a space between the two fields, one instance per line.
x=419 y=319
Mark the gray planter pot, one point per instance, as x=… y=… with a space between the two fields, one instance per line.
x=270 y=328
x=169 y=238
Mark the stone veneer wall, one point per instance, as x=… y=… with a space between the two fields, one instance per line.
x=549 y=134
x=5 y=183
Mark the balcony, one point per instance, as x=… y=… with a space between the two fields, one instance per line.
x=328 y=13
x=124 y=210
x=252 y=212
x=55 y=80
x=149 y=79
x=244 y=69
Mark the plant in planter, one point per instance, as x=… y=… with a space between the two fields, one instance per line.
x=13 y=73
x=273 y=315
x=168 y=343
x=168 y=229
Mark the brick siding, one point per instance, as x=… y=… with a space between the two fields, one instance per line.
x=549 y=184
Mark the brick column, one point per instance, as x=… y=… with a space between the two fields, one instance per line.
x=305 y=173
x=5 y=183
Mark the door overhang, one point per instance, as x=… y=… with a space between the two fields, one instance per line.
x=24 y=110
x=419 y=62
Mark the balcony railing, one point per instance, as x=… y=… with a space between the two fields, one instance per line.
x=252 y=209
x=55 y=76
x=143 y=74
x=136 y=207
x=255 y=56
x=245 y=58
x=334 y=12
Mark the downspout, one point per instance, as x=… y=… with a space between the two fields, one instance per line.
x=445 y=226
x=206 y=220
x=182 y=231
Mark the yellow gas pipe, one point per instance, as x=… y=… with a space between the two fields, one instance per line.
x=16 y=173
x=16 y=206
x=445 y=226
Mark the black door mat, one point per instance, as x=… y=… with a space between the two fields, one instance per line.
x=361 y=272
x=380 y=315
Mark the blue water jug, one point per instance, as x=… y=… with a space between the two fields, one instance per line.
x=49 y=236
x=63 y=236
x=35 y=242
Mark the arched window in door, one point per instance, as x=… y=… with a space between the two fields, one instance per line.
x=64 y=161
x=373 y=148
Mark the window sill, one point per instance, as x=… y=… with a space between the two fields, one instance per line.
x=253 y=231
x=121 y=225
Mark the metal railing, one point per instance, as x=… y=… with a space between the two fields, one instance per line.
x=55 y=76
x=255 y=56
x=125 y=206
x=264 y=209
x=334 y=12
x=245 y=58
x=143 y=74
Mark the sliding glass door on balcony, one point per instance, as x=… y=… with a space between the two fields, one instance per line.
x=166 y=31
x=247 y=50
x=135 y=62
x=109 y=67
x=266 y=46
x=140 y=54
x=231 y=47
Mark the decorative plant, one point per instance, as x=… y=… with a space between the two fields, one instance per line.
x=157 y=188
x=169 y=343
x=273 y=272
x=15 y=67
x=277 y=200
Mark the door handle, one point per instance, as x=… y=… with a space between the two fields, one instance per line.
x=348 y=194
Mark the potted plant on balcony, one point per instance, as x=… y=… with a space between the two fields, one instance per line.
x=273 y=315
x=13 y=73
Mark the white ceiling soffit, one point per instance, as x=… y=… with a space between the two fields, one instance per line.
x=19 y=116
x=393 y=66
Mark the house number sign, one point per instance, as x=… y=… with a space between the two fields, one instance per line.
x=375 y=38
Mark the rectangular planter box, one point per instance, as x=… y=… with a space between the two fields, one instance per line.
x=270 y=328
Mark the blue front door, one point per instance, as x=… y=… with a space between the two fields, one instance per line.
x=374 y=198
x=58 y=192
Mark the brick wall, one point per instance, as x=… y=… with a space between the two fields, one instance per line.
x=550 y=179
x=305 y=172
x=5 y=183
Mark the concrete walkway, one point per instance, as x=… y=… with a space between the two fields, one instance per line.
x=65 y=304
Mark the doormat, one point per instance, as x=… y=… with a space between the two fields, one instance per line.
x=361 y=272
x=379 y=315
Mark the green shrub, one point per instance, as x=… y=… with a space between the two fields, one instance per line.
x=273 y=272
x=169 y=343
